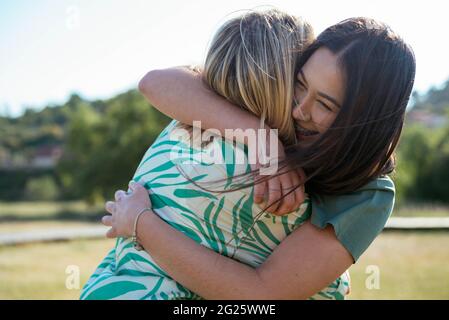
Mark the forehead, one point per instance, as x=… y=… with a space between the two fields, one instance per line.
x=323 y=73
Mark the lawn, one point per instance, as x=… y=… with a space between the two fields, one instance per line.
x=35 y=216
x=80 y=211
x=48 y=211
x=412 y=265
x=421 y=211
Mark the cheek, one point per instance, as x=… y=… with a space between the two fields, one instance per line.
x=300 y=95
x=322 y=119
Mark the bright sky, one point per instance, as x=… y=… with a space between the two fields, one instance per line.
x=49 y=49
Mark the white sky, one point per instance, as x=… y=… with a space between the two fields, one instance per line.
x=49 y=49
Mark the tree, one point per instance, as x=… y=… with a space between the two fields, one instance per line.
x=104 y=149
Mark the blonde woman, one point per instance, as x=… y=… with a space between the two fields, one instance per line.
x=251 y=63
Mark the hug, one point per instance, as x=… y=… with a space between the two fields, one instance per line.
x=195 y=230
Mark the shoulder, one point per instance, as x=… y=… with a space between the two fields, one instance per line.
x=357 y=217
x=381 y=184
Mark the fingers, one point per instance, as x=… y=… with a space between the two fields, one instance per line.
x=119 y=194
x=288 y=196
x=301 y=175
x=274 y=194
x=111 y=233
x=107 y=221
x=300 y=196
x=259 y=191
x=299 y=191
x=291 y=195
x=110 y=206
x=135 y=186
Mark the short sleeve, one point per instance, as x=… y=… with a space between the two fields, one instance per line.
x=357 y=217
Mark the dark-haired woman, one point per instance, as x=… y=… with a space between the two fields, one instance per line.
x=353 y=84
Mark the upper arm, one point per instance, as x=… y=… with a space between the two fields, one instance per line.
x=181 y=94
x=357 y=217
x=170 y=89
x=304 y=263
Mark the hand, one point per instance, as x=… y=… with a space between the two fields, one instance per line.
x=269 y=192
x=125 y=209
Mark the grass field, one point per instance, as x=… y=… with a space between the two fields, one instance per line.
x=48 y=211
x=421 y=211
x=78 y=210
x=413 y=265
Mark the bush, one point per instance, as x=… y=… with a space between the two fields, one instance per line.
x=42 y=188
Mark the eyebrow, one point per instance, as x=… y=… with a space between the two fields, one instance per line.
x=322 y=94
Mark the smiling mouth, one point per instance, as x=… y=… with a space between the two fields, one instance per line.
x=305 y=132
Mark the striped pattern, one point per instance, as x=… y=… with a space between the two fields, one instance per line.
x=227 y=223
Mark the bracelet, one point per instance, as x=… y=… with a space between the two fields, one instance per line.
x=137 y=245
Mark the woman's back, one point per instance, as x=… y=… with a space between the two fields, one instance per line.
x=219 y=220
x=227 y=223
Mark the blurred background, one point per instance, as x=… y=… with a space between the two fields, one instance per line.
x=73 y=129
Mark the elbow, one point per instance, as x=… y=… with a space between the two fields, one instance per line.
x=147 y=85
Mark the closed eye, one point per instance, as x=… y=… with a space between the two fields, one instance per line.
x=301 y=84
x=325 y=105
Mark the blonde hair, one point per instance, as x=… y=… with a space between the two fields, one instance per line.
x=251 y=62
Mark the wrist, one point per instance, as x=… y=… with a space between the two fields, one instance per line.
x=146 y=225
x=144 y=213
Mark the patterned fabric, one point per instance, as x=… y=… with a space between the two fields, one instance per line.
x=228 y=223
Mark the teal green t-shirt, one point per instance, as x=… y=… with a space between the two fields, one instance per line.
x=357 y=217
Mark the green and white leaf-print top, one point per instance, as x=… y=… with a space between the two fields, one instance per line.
x=227 y=223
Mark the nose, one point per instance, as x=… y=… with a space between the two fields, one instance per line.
x=301 y=112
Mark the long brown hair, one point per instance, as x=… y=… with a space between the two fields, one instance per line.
x=379 y=69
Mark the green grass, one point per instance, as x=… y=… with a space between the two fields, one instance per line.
x=421 y=210
x=413 y=265
x=45 y=211
x=79 y=210
x=25 y=226
x=38 y=271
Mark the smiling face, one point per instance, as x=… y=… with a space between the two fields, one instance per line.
x=319 y=93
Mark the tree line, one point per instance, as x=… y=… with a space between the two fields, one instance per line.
x=102 y=142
